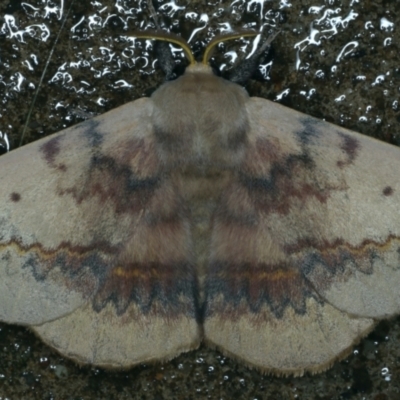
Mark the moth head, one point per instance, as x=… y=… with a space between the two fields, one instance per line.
x=240 y=74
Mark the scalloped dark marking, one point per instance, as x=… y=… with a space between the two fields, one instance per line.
x=154 y=282
x=276 y=193
x=91 y=133
x=106 y=178
x=276 y=285
x=351 y=147
x=334 y=256
x=281 y=285
x=310 y=132
x=51 y=149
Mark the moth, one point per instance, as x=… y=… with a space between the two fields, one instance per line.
x=201 y=214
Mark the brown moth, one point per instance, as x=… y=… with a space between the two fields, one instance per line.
x=201 y=214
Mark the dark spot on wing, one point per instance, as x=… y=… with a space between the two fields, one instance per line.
x=15 y=197
x=387 y=191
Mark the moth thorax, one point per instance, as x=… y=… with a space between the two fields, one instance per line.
x=201 y=119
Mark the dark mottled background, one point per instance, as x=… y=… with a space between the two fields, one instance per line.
x=336 y=60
